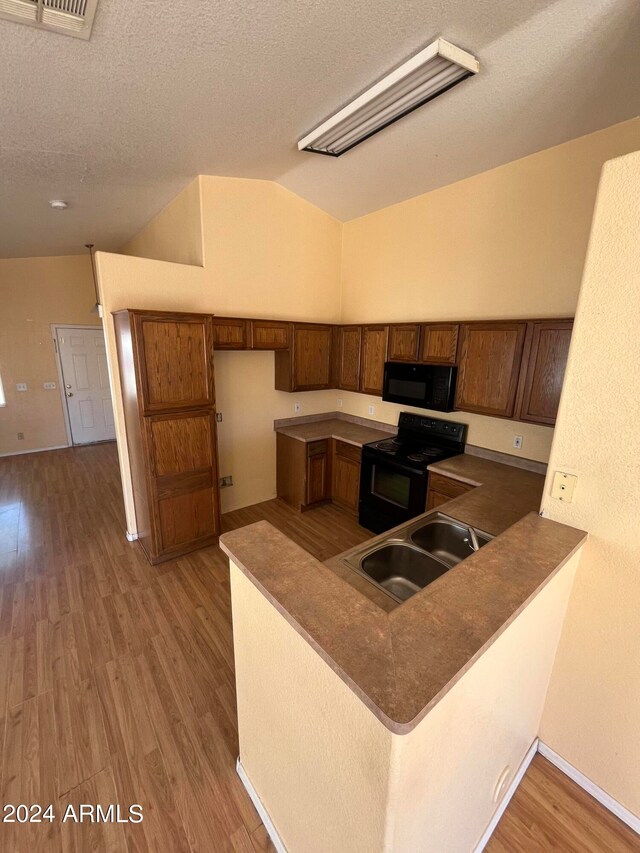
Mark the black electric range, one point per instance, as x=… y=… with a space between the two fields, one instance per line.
x=394 y=476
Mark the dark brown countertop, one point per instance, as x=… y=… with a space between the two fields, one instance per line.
x=401 y=662
x=343 y=430
x=502 y=496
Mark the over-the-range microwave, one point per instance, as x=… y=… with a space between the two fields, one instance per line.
x=426 y=386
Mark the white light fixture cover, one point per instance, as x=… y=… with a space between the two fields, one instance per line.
x=434 y=70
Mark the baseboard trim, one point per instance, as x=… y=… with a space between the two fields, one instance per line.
x=36 y=450
x=131 y=536
x=606 y=800
x=504 y=802
x=257 y=802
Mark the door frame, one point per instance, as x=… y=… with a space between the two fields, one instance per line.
x=63 y=395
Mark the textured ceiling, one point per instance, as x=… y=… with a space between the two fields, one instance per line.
x=162 y=92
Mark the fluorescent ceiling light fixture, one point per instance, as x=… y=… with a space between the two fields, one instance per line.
x=433 y=71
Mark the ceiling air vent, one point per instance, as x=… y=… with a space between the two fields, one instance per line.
x=71 y=17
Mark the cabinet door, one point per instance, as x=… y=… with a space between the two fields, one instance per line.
x=318 y=482
x=435 y=499
x=230 y=333
x=174 y=360
x=490 y=357
x=270 y=334
x=349 y=345
x=404 y=342
x=311 y=357
x=439 y=343
x=374 y=355
x=182 y=464
x=345 y=479
x=546 y=351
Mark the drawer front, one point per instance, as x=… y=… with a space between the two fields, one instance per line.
x=314 y=448
x=447 y=486
x=348 y=451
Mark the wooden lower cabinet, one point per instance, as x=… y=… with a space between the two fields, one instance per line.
x=171 y=441
x=303 y=471
x=314 y=472
x=345 y=484
x=442 y=489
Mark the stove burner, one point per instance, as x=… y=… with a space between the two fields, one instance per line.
x=424 y=455
x=388 y=445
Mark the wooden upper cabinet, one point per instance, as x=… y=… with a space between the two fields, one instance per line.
x=307 y=365
x=230 y=333
x=374 y=355
x=348 y=346
x=490 y=358
x=270 y=334
x=544 y=363
x=174 y=357
x=439 y=343
x=404 y=342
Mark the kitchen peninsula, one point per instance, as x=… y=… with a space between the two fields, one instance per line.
x=366 y=695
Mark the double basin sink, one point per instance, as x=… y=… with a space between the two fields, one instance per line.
x=411 y=558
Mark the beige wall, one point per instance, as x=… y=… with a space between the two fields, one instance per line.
x=506 y=243
x=307 y=739
x=269 y=253
x=35 y=292
x=175 y=234
x=592 y=716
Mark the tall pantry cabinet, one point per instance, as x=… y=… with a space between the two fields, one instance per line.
x=166 y=373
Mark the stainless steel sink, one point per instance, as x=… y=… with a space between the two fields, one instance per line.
x=446 y=539
x=401 y=569
x=411 y=558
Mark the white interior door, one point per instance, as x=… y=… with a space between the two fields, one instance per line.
x=83 y=360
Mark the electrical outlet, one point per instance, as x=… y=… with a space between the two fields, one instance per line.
x=20 y=436
x=339 y=402
x=372 y=410
x=219 y=417
x=297 y=408
x=226 y=481
x=49 y=386
x=21 y=386
x=563 y=486
x=517 y=441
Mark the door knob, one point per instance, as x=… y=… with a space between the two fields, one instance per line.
x=69 y=393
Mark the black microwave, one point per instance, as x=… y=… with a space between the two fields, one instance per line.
x=426 y=386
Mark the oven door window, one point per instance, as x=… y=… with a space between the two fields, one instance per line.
x=391 y=486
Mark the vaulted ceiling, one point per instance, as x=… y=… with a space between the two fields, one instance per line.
x=119 y=124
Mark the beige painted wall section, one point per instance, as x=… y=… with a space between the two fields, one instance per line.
x=269 y=253
x=175 y=234
x=35 y=292
x=332 y=777
x=506 y=243
x=492 y=433
x=592 y=716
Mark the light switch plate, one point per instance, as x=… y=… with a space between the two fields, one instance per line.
x=21 y=386
x=49 y=386
x=563 y=486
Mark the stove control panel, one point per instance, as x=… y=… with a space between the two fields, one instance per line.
x=431 y=426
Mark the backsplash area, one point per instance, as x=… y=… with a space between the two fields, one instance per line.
x=496 y=434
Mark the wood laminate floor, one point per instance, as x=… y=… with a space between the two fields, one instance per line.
x=116 y=678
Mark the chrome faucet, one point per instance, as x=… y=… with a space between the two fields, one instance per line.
x=473 y=544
